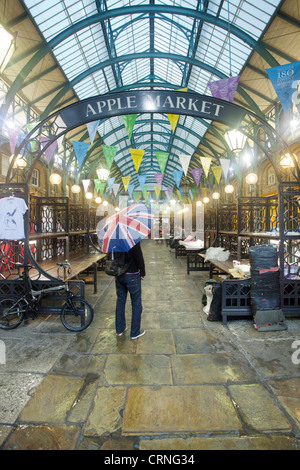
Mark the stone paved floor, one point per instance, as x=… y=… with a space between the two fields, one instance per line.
x=187 y=384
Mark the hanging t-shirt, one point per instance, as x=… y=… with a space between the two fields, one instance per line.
x=12 y=210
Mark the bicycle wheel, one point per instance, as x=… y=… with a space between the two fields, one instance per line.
x=76 y=314
x=12 y=312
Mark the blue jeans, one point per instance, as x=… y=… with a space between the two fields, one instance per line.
x=129 y=283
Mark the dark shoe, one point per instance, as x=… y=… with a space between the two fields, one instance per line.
x=141 y=334
x=120 y=334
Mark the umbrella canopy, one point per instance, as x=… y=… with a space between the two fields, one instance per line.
x=124 y=230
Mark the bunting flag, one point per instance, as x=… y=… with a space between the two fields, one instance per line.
x=162 y=158
x=177 y=174
x=30 y=126
x=49 y=151
x=169 y=192
x=224 y=89
x=185 y=161
x=116 y=187
x=129 y=122
x=173 y=118
x=225 y=163
x=86 y=184
x=284 y=79
x=159 y=179
x=142 y=180
x=193 y=191
x=92 y=129
x=80 y=149
x=157 y=191
x=110 y=183
x=179 y=193
x=197 y=172
x=144 y=191
x=13 y=134
x=137 y=156
x=217 y=171
x=130 y=189
x=99 y=185
x=109 y=154
x=205 y=162
x=136 y=195
x=126 y=180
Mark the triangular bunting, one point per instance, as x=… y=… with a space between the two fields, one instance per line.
x=126 y=180
x=99 y=185
x=197 y=172
x=224 y=89
x=86 y=184
x=49 y=151
x=129 y=122
x=225 y=163
x=185 y=161
x=157 y=191
x=159 y=178
x=162 y=158
x=142 y=180
x=177 y=176
x=92 y=129
x=205 y=162
x=80 y=149
x=217 y=171
x=173 y=118
x=130 y=189
x=144 y=191
x=137 y=156
x=283 y=78
x=116 y=187
x=109 y=154
x=13 y=134
x=110 y=183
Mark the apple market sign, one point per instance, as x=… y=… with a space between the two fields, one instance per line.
x=139 y=102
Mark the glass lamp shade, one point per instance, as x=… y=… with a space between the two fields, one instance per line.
x=98 y=200
x=206 y=200
x=216 y=195
x=75 y=189
x=251 y=178
x=229 y=189
x=88 y=195
x=236 y=140
x=55 y=178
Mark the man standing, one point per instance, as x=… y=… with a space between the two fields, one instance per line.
x=131 y=282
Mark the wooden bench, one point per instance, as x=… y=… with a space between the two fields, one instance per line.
x=80 y=264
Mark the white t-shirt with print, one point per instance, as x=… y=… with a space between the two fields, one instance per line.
x=12 y=210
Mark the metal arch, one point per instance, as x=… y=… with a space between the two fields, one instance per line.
x=206 y=17
x=142 y=55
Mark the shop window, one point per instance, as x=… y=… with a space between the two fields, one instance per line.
x=35 y=179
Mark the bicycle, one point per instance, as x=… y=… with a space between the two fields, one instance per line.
x=76 y=314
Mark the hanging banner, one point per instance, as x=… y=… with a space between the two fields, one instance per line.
x=159 y=178
x=162 y=158
x=225 y=163
x=109 y=154
x=217 y=171
x=30 y=126
x=142 y=180
x=126 y=180
x=205 y=162
x=197 y=172
x=110 y=183
x=177 y=175
x=285 y=80
x=86 y=184
x=49 y=151
x=129 y=122
x=80 y=149
x=193 y=191
x=130 y=189
x=92 y=129
x=137 y=156
x=185 y=161
x=224 y=89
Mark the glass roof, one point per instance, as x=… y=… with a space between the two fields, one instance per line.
x=109 y=47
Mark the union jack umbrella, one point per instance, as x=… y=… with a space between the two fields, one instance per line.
x=125 y=229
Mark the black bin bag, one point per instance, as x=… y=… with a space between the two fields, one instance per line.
x=215 y=311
